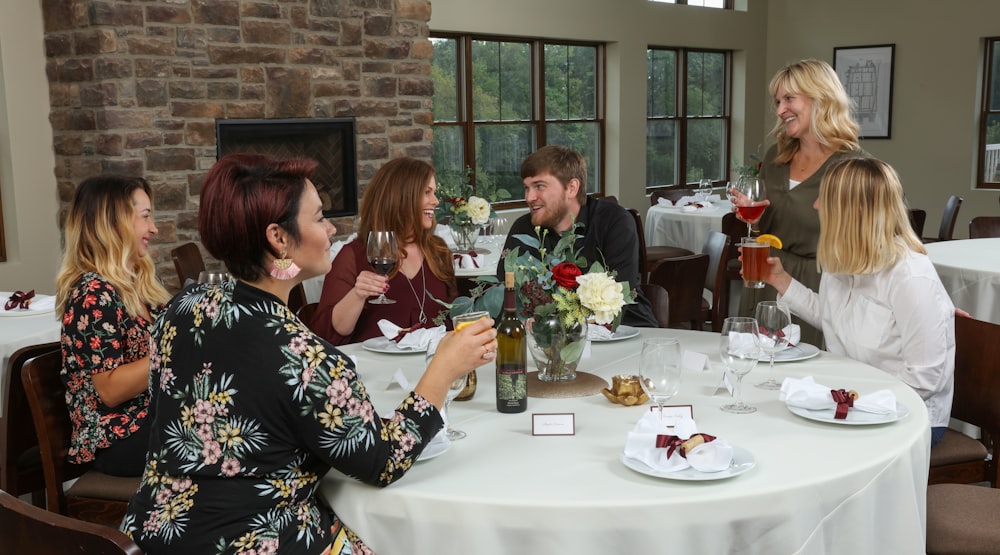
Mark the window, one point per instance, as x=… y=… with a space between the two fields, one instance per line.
x=687 y=115
x=723 y=4
x=497 y=100
x=989 y=127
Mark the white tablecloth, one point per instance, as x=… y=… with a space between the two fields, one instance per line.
x=21 y=331
x=817 y=487
x=970 y=272
x=672 y=226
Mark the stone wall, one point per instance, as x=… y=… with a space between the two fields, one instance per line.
x=136 y=86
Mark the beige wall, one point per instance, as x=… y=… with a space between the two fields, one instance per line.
x=934 y=106
x=27 y=181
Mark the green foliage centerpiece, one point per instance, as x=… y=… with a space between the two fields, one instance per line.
x=464 y=212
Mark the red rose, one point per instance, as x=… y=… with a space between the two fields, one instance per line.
x=565 y=275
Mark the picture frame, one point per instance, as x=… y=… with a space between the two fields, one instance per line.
x=867 y=75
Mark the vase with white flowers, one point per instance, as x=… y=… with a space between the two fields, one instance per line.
x=465 y=213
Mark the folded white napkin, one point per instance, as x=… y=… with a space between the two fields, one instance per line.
x=468 y=261
x=39 y=303
x=697 y=205
x=641 y=445
x=417 y=339
x=806 y=393
x=792 y=331
x=743 y=343
x=337 y=245
x=598 y=332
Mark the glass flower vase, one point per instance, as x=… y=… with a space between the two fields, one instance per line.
x=465 y=234
x=556 y=347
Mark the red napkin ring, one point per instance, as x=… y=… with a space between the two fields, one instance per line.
x=472 y=254
x=403 y=331
x=19 y=299
x=844 y=400
x=671 y=443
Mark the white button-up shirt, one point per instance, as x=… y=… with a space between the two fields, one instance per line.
x=900 y=320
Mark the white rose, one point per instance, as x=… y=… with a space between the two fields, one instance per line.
x=601 y=294
x=479 y=210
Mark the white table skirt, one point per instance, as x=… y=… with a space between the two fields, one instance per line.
x=21 y=331
x=817 y=487
x=672 y=226
x=970 y=271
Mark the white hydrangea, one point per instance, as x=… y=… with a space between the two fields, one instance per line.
x=479 y=210
x=601 y=294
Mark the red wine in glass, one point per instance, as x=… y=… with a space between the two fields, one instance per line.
x=382 y=252
x=750 y=199
x=750 y=212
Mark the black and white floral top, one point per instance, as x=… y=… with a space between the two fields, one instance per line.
x=251 y=409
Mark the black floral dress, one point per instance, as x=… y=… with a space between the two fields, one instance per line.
x=99 y=335
x=251 y=410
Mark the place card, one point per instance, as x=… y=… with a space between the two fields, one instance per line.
x=399 y=378
x=553 y=424
x=693 y=360
x=674 y=413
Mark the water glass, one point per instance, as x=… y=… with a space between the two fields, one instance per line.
x=739 y=348
x=456 y=387
x=660 y=369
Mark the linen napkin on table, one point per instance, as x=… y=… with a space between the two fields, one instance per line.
x=806 y=393
x=467 y=261
x=414 y=339
x=39 y=303
x=640 y=445
x=598 y=332
x=698 y=205
x=792 y=331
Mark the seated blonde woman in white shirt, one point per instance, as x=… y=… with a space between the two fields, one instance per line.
x=880 y=300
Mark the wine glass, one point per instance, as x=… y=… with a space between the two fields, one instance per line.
x=750 y=199
x=454 y=388
x=731 y=193
x=772 y=319
x=739 y=348
x=212 y=277
x=660 y=369
x=382 y=252
x=704 y=189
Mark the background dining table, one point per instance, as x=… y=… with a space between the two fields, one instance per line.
x=816 y=487
x=970 y=271
x=20 y=329
x=685 y=227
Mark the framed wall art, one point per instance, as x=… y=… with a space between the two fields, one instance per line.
x=866 y=72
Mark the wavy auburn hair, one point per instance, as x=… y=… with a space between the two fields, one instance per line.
x=241 y=196
x=394 y=201
x=100 y=238
x=864 y=223
x=832 y=123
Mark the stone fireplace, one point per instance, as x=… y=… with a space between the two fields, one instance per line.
x=137 y=87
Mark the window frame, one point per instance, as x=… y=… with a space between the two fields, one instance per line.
x=991 y=44
x=683 y=120
x=466 y=121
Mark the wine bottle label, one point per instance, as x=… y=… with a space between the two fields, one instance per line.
x=512 y=384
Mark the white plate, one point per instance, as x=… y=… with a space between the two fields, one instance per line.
x=802 y=351
x=33 y=309
x=742 y=461
x=435 y=448
x=854 y=417
x=623 y=332
x=383 y=345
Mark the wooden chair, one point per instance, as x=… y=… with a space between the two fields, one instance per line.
x=917 y=218
x=297 y=298
x=660 y=301
x=650 y=256
x=716 y=280
x=958 y=458
x=736 y=230
x=94 y=497
x=188 y=262
x=20 y=464
x=672 y=193
x=683 y=278
x=984 y=226
x=25 y=528
x=962 y=518
x=948 y=218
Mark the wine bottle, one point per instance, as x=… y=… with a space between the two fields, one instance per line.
x=512 y=355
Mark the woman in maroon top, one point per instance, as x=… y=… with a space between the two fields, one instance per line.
x=108 y=294
x=401 y=197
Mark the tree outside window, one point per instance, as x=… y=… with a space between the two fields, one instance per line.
x=989 y=134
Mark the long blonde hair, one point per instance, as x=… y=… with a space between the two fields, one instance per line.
x=100 y=239
x=832 y=123
x=864 y=223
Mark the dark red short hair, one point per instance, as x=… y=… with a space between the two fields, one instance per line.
x=242 y=195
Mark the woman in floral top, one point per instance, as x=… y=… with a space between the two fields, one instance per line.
x=108 y=294
x=251 y=408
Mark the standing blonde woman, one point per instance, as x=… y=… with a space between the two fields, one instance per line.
x=108 y=294
x=880 y=300
x=814 y=128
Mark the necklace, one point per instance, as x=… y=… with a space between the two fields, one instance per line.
x=421 y=299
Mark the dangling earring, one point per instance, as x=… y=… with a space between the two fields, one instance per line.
x=284 y=268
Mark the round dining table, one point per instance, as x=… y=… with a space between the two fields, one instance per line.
x=813 y=487
x=970 y=271
x=23 y=328
x=683 y=226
